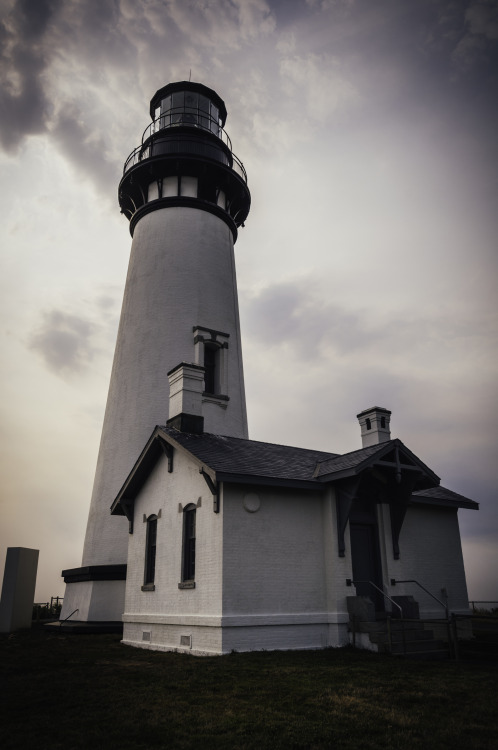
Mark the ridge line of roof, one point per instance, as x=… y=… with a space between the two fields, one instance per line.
x=367 y=447
x=250 y=440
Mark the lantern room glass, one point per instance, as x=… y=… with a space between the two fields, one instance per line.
x=189 y=108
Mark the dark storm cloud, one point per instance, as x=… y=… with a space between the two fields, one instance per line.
x=57 y=57
x=42 y=41
x=23 y=102
x=70 y=68
x=417 y=50
x=86 y=150
x=64 y=342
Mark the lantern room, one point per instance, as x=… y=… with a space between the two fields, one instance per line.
x=185 y=158
x=191 y=104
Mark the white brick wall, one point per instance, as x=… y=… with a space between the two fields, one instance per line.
x=165 y=492
x=278 y=590
x=270 y=576
x=274 y=558
x=430 y=552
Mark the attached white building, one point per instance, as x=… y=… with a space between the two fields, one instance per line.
x=241 y=545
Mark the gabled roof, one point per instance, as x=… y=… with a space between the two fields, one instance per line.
x=237 y=460
x=392 y=453
x=348 y=461
x=232 y=457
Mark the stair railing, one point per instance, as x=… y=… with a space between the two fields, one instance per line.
x=67 y=618
x=349 y=582
x=412 y=580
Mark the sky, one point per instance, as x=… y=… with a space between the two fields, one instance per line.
x=367 y=269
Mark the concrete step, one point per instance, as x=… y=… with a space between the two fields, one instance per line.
x=423 y=649
x=410 y=636
x=380 y=626
x=410 y=639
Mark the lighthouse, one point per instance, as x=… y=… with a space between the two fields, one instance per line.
x=178 y=357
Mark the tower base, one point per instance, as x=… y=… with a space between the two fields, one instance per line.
x=94 y=594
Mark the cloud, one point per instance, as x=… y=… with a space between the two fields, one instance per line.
x=292 y=314
x=225 y=23
x=71 y=69
x=482 y=18
x=64 y=342
x=327 y=4
x=87 y=150
x=25 y=57
x=321 y=82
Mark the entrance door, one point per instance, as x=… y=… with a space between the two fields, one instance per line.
x=365 y=554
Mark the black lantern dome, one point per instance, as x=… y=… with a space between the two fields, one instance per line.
x=185 y=158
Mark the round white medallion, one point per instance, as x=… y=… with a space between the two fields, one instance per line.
x=251 y=502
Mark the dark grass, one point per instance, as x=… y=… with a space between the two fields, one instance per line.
x=89 y=691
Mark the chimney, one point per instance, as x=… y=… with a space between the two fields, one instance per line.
x=374 y=423
x=186 y=385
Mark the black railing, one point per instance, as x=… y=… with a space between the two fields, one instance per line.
x=349 y=582
x=179 y=117
x=155 y=145
x=412 y=580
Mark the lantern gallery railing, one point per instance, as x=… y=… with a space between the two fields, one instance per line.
x=159 y=138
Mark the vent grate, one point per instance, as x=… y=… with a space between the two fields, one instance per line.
x=186 y=640
x=146 y=635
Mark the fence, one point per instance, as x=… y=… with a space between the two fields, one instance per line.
x=478 y=605
x=48 y=610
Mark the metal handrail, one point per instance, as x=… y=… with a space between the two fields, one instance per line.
x=67 y=618
x=412 y=580
x=160 y=124
x=380 y=592
x=141 y=153
x=200 y=120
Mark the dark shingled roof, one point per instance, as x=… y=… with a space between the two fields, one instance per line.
x=449 y=498
x=230 y=455
x=249 y=461
x=348 y=460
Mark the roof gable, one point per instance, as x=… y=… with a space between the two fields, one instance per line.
x=392 y=456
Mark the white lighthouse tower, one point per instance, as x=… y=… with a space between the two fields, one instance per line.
x=185 y=194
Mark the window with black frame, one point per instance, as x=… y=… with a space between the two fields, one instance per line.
x=150 y=551
x=188 y=571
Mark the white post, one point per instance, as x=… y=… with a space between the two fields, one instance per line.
x=18 y=590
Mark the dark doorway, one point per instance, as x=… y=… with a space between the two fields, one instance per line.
x=365 y=553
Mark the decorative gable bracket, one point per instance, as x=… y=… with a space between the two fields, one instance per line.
x=214 y=488
x=168 y=452
x=127 y=506
x=346 y=492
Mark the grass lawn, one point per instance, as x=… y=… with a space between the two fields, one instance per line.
x=79 y=691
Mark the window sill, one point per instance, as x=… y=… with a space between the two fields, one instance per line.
x=148 y=587
x=186 y=585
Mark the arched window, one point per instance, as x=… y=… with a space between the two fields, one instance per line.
x=369 y=424
x=188 y=563
x=150 y=551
